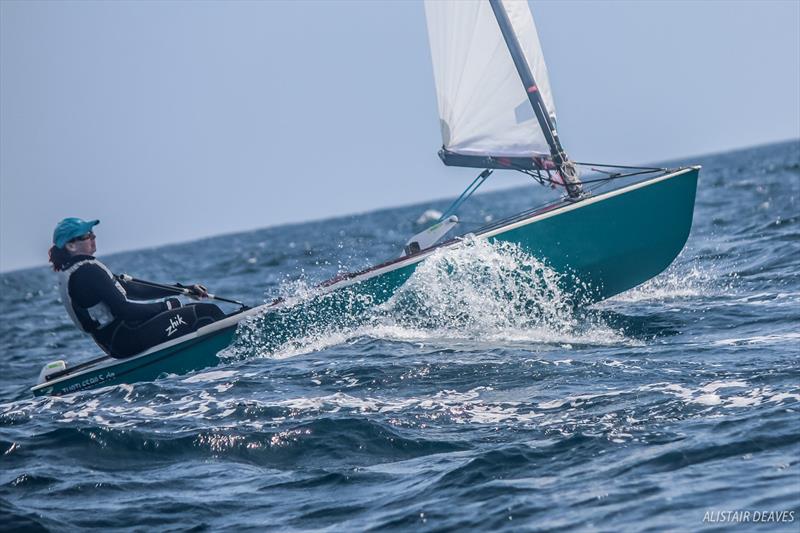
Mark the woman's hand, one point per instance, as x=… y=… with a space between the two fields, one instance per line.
x=197 y=292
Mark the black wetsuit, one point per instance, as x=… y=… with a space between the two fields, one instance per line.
x=103 y=307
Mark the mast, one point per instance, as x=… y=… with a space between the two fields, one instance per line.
x=565 y=167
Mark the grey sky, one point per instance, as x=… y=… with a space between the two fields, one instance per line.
x=176 y=120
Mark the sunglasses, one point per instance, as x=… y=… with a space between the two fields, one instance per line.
x=86 y=237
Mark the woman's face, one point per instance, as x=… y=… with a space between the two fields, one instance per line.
x=84 y=245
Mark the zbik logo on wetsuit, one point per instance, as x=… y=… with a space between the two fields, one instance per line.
x=174 y=322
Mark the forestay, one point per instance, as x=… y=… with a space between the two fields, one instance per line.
x=483 y=107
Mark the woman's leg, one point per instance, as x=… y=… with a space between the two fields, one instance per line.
x=130 y=340
x=207 y=313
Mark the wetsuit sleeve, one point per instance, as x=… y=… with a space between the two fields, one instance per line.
x=90 y=285
x=137 y=291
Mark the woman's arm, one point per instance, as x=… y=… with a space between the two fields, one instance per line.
x=91 y=285
x=138 y=291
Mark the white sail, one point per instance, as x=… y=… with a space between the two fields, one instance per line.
x=484 y=109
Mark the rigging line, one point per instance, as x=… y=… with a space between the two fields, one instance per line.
x=620 y=166
x=507 y=220
x=536 y=177
x=620 y=176
x=543 y=181
x=476 y=183
x=598 y=184
x=628 y=175
x=477 y=223
x=606 y=172
x=528 y=212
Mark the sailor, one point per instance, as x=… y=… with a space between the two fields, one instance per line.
x=105 y=307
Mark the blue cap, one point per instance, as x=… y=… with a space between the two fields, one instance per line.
x=72 y=227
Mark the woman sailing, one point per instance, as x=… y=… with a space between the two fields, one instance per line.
x=109 y=307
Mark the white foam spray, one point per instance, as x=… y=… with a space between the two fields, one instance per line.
x=478 y=292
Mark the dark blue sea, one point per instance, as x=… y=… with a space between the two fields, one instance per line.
x=674 y=406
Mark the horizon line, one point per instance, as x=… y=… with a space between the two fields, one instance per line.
x=386 y=208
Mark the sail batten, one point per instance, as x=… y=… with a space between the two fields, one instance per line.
x=484 y=110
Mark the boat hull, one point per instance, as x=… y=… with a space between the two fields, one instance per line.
x=602 y=245
x=616 y=242
x=181 y=358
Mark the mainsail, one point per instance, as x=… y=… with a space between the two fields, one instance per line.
x=483 y=107
x=496 y=109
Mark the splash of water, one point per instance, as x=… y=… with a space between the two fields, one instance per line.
x=678 y=281
x=492 y=291
x=476 y=292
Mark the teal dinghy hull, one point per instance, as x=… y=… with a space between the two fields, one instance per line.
x=602 y=245
x=615 y=241
x=189 y=353
x=610 y=243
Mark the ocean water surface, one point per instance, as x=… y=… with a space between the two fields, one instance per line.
x=474 y=399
